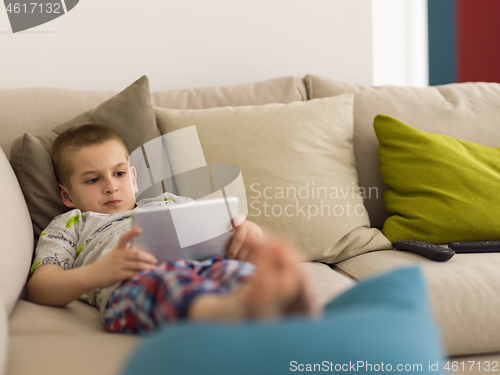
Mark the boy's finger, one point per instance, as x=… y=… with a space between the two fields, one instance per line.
x=147 y=257
x=253 y=241
x=139 y=265
x=140 y=256
x=236 y=242
x=127 y=237
x=243 y=254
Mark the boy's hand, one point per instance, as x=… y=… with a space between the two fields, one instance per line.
x=246 y=235
x=121 y=263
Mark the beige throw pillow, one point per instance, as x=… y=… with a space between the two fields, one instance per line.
x=297 y=162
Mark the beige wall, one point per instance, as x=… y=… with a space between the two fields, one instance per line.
x=106 y=44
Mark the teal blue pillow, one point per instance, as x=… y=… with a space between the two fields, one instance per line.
x=378 y=325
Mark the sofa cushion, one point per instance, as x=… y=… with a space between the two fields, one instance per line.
x=16 y=247
x=326 y=284
x=467 y=111
x=376 y=326
x=297 y=164
x=77 y=317
x=75 y=354
x=130 y=113
x=439 y=189
x=464 y=294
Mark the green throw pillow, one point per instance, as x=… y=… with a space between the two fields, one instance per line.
x=439 y=189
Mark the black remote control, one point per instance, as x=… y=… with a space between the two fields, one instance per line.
x=427 y=250
x=475 y=246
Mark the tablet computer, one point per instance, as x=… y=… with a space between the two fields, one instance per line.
x=193 y=230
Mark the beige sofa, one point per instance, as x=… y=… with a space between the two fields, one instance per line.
x=280 y=138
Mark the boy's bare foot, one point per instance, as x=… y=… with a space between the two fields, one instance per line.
x=277 y=288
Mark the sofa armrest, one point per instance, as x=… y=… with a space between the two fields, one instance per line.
x=4 y=335
x=16 y=232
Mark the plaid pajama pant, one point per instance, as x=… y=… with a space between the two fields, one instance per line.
x=153 y=298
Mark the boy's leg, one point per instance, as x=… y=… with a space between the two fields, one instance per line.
x=175 y=290
x=278 y=287
x=154 y=298
x=230 y=274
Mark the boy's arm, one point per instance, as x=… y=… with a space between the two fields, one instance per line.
x=54 y=286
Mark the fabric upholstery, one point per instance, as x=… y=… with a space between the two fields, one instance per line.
x=326 y=285
x=33 y=109
x=78 y=317
x=76 y=354
x=4 y=335
x=277 y=90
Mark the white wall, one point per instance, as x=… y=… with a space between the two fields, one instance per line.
x=106 y=44
x=400 y=42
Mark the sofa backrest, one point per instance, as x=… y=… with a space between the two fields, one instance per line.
x=30 y=110
x=276 y=90
x=35 y=109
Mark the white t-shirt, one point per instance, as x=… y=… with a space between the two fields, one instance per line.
x=75 y=239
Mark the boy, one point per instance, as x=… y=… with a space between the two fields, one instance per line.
x=86 y=253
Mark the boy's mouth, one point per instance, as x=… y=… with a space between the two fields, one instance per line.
x=112 y=203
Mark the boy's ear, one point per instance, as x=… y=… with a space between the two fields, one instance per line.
x=65 y=198
x=133 y=175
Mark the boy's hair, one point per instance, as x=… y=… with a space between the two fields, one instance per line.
x=74 y=139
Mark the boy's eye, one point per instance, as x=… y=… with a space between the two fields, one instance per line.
x=120 y=174
x=92 y=180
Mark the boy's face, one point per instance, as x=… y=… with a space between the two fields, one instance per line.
x=102 y=180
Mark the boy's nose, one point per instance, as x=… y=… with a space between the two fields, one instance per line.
x=111 y=187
